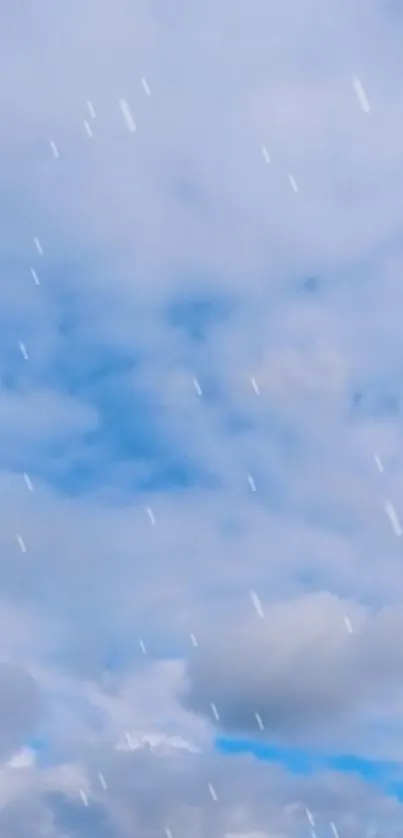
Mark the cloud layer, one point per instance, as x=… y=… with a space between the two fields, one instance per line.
x=200 y=396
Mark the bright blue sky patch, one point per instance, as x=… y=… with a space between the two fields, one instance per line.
x=307 y=763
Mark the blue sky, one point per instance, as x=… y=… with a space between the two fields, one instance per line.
x=307 y=763
x=200 y=410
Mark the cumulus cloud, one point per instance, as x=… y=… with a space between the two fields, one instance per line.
x=299 y=668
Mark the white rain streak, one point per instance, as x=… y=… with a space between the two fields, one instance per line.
x=21 y=544
x=256 y=604
x=197 y=387
x=334 y=829
x=194 y=641
x=310 y=817
x=84 y=797
x=129 y=740
x=265 y=154
x=213 y=792
x=215 y=711
x=255 y=385
x=393 y=517
x=142 y=647
x=348 y=624
x=54 y=149
x=34 y=276
x=24 y=352
x=38 y=246
x=252 y=483
x=313 y=833
x=168 y=832
x=28 y=482
x=259 y=721
x=151 y=516
x=88 y=128
x=127 y=115
x=293 y=184
x=379 y=462
x=102 y=780
x=361 y=96
x=145 y=86
x=91 y=109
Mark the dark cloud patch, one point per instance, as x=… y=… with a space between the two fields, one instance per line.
x=311 y=284
x=70 y=816
x=20 y=707
x=300 y=669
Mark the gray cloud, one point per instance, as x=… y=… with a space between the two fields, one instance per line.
x=20 y=707
x=299 y=668
x=149 y=793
